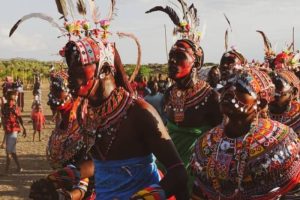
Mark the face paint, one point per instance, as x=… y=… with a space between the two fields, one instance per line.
x=283 y=92
x=84 y=90
x=237 y=104
x=82 y=57
x=180 y=63
x=89 y=71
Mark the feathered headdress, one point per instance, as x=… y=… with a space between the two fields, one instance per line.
x=269 y=53
x=288 y=79
x=72 y=27
x=233 y=52
x=226 y=33
x=139 y=57
x=187 y=26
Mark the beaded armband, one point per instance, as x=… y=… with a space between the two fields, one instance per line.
x=83 y=185
x=65 y=178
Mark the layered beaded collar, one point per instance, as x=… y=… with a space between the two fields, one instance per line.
x=291 y=117
x=64 y=145
x=104 y=120
x=60 y=104
x=108 y=113
x=269 y=146
x=180 y=100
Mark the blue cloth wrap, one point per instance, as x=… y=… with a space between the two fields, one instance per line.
x=120 y=179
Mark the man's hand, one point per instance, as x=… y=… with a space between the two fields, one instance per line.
x=24 y=133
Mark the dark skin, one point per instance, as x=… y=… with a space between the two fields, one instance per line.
x=238 y=122
x=283 y=100
x=209 y=114
x=227 y=66
x=214 y=76
x=153 y=86
x=142 y=133
x=297 y=73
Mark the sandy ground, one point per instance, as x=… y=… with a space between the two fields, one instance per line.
x=31 y=154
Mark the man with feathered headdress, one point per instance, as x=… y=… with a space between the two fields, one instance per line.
x=190 y=103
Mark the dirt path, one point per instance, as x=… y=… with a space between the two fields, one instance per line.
x=31 y=155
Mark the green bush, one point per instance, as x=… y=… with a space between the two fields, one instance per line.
x=25 y=68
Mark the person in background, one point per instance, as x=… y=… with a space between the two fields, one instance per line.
x=141 y=86
x=12 y=122
x=285 y=108
x=38 y=120
x=232 y=62
x=133 y=86
x=7 y=84
x=146 y=89
x=168 y=83
x=214 y=78
x=37 y=88
x=20 y=101
x=161 y=84
x=155 y=98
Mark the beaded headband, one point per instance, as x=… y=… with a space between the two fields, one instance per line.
x=288 y=78
x=88 y=50
x=58 y=80
x=257 y=83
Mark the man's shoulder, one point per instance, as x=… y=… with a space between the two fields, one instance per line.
x=141 y=106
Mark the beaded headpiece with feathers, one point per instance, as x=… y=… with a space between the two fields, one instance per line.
x=93 y=45
x=187 y=26
x=288 y=79
x=269 y=53
x=233 y=52
x=73 y=27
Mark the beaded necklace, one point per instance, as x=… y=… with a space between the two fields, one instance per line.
x=241 y=149
x=290 y=117
x=105 y=119
x=64 y=145
x=180 y=100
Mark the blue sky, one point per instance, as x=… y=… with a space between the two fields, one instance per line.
x=37 y=39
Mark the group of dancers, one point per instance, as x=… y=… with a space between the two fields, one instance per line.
x=234 y=136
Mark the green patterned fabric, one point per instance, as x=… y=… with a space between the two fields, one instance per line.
x=184 y=139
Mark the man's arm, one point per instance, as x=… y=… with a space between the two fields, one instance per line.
x=3 y=123
x=21 y=123
x=3 y=141
x=160 y=143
